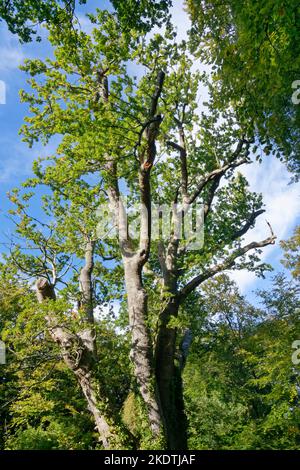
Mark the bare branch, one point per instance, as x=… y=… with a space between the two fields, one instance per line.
x=247 y=225
x=175 y=146
x=217 y=173
x=226 y=264
x=157 y=93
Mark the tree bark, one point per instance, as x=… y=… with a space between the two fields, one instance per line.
x=135 y=259
x=141 y=350
x=169 y=380
x=168 y=374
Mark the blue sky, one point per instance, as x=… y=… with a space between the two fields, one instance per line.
x=270 y=178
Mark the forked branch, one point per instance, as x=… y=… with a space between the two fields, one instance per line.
x=226 y=264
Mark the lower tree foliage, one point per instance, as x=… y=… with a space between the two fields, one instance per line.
x=241 y=387
x=42 y=406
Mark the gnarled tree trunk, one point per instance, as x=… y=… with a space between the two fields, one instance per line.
x=135 y=259
x=79 y=350
x=168 y=374
x=169 y=381
x=141 y=350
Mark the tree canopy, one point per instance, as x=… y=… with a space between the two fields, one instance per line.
x=23 y=18
x=253 y=50
x=123 y=329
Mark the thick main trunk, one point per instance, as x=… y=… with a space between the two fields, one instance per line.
x=169 y=381
x=141 y=350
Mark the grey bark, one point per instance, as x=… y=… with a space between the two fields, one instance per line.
x=85 y=282
x=135 y=259
x=141 y=350
x=168 y=374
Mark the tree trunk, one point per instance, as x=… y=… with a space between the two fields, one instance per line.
x=168 y=373
x=169 y=381
x=141 y=350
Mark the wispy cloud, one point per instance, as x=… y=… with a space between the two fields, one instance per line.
x=282 y=210
x=11 y=52
x=16 y=163
x=85 y=24
x=16 y=159
x=281 y=198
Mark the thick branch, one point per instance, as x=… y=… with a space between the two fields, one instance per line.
x=144 y=173
x=240 y=146
x=247 y=225
x=216 y=174
x=85 y=281
x=183 y=161
x=157 y=93
x=226 y=264
x=44 y=290
x=211 y=194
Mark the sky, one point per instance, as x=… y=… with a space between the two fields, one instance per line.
x=270 y=178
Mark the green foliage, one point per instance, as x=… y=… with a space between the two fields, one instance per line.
x=141 y=14
x=22 y=16
x=253 y=50
x=241 y=387
x=291 y=253
x=51 y=436
x=239 y=383
x=41 y=405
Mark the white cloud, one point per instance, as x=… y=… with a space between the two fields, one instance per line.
x=11 y=53
x=244 y=279
x=85 y=24
x=18 y=161
x=10 y=58
x=282 y=209
x=281 y=198
x=20 y=164
x=180 y=19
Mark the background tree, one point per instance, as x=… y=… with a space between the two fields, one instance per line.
x=23 y=18
x=42 y=406
x=253 y=51
x=241 y=386
x=291 y=250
